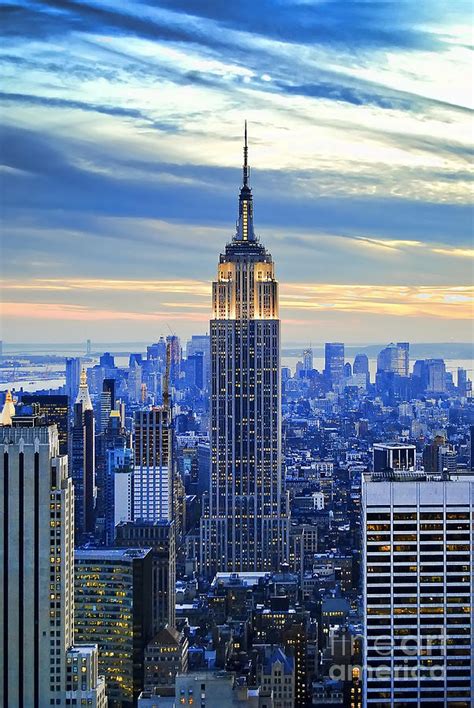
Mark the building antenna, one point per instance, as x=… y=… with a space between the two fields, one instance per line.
x=166 y=382
x=246 y=155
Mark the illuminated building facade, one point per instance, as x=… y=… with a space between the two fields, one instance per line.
x=160 y=537
x=113 y=608
x=152 y=496
x=165 y=657
x=55 y=409
x=36 y=573
x=37 y=542
x=417 y=590
x=245 y=519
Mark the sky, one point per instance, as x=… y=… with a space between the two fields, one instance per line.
x=121 y=164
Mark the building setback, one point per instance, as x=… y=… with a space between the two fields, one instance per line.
x=245 y=516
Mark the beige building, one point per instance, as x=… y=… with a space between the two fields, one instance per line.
x=278 y=677
x=36 y=568
x=165 y=657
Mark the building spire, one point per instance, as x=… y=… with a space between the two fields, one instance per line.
x=245 y=223
x=246 y=155
x=8 y=410
x=83 y=395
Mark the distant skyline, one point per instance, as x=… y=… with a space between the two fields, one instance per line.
x=122 y=147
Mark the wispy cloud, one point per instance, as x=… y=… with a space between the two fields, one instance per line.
x=122 y=144
x=454 y=302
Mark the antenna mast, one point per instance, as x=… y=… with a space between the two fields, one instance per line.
x=166 y=382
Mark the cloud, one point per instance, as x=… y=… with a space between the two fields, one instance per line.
x=122 y=145
x=454 y=302
x=66 y=312
x=455 y=252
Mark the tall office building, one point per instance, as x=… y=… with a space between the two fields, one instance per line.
x=245 y=522
x=308 y=360
x=175 y=357
x=152 y=494
x=82 y=461
x=113 y=457
x=436 y=375
x=201 y=343
x=361 y=366
x=462 y=381
x=73 y=377
x=418 y=588
x=36 y=572
x=113 y=607
x=334 y=362
x=394 y=359
x=106 y=403
x=160 y=537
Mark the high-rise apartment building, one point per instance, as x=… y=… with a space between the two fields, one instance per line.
x=334 y=362
x=418 y=588
x=36 y=572
x=245 y=519
x=152 y=495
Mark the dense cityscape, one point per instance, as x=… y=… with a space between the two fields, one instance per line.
x=200 y=525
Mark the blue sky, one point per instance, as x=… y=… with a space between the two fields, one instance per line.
x=122 y=146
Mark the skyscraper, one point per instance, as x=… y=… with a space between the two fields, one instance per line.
x=418 y=589
x=160 y=537
x=394 y=359
x=245 y=519
x=308 y=360
x=361 y=366
x=82 y=460
x=113 y=607
x=201 y=343
x=36 y=573
x=152 y=485
x=73 y=376
x=334 y=362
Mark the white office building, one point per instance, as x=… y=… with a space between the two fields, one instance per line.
x=152 y=485
x=418 y=590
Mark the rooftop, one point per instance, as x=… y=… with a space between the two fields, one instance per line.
x=111 y=554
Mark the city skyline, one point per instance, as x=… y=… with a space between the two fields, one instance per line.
x=126 y=149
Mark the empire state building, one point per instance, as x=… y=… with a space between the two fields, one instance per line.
x=245 y=520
